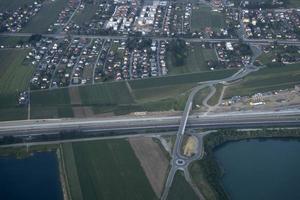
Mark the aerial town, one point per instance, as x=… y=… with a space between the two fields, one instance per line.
x=149 y=99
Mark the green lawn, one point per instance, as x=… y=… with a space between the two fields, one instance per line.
x=14 y=75
x=11 y=41
x=45 y=17
x=14 y=78
x=180 y=189
x=196 y=60
x=203 y=17
x=106 y=170
x=215 y=98
x=13 y=4
x=200 y=96
x=266 y=58
x=266 y=79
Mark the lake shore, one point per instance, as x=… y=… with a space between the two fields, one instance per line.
x=206 y=173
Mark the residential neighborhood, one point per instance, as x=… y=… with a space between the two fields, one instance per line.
x=149 y=99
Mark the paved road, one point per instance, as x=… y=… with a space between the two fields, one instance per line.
x=246 y=119
x=179 y=162
x=158 y=38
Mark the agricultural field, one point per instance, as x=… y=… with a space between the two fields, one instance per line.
x=181 y=79
x=105 y=170
x=14 y=78
x=13 y=4
x=196 y=60
x=266 y=79
x=110 y=93
x=154 y=94
x=203 y=17
x=154 y=161
x=45 y=17
x=13 y=113
x=47 y=112
x=50 y=104
x=180 y=189
x=71 y=171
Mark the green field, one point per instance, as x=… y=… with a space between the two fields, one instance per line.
x=71 y=171
x=215 y=98
x=153 y=94
x=50 y=104
x=110 y=93
x=196 y=60
x=181 y=79
x=200 y=96
x=45 y=17
x=266 y=79
x=288 y=3
x=266 y=58
x=13 y=113
x=11 y=41
x=105 y=170
x=203 y=17
x=204 y=173
x=14 y=78
x=180 y=189
x=294 y=4
x=85 y=15
x=14 y=75
x=13 y=4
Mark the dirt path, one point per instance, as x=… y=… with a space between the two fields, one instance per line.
x=153 y=161
x=130 y=90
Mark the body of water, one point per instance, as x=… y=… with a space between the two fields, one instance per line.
x=261 y=169
x=32 y=178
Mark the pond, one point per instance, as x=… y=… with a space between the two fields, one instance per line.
x=261 y=169
x=33 y=178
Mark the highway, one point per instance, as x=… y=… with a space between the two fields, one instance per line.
x=222 y=120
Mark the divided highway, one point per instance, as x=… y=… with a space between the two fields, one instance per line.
x=224 y=120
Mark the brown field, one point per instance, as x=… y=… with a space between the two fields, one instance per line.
x=74 y=96
x=190 y=146
x=82 y=111
x=153 y=160
x=79 y=111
